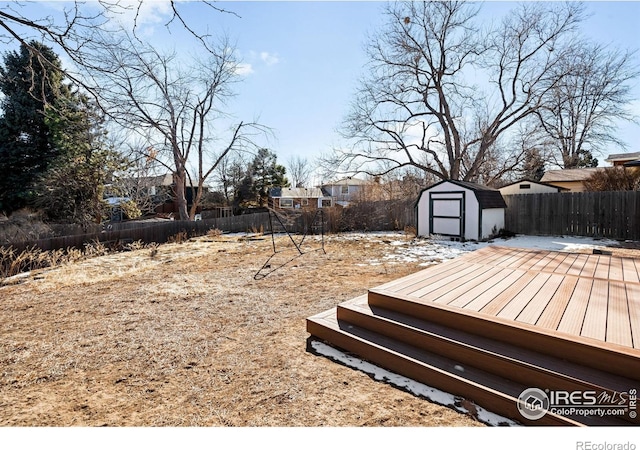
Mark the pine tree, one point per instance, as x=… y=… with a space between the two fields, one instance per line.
x=52 y=146
x=263 y=173
x=30 y=81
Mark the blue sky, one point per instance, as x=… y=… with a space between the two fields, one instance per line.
x=302 y=59
x=305 y=59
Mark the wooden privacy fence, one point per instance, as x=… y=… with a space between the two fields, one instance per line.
x=151 y=232
x=613 y=215
x=361 y=216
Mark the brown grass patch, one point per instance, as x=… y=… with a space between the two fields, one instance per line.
x=183 y=335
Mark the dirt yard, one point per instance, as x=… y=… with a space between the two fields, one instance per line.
x=185 y=335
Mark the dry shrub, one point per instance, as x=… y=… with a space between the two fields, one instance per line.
x=613 y=179
x=410 y=231
x=95 y=248
x=214 y=232
x=178 y=238
x=256 y=230
x=23 y=225
x=13 y=262
x=135 y=245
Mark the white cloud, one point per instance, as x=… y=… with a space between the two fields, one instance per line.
x=269 y=58
x=141 y=15
x=244 y=69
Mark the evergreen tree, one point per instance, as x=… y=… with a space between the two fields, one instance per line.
x=52 y=146
x=263 y=173
x=31 y=82
x=72 y=189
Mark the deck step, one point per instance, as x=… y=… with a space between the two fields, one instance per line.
x=523 y=366
x=606 y=357
x=488 y=372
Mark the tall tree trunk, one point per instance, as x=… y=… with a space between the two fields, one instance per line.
x=179 y=179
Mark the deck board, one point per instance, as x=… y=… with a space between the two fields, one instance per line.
x=602 y=269
x=589 y=269
x=464 y=289
x=520 y=301
x=532 y=312
x=615 y=269
x=592 y=296
x=489 y=295
x=618 y=324
x=630 y=273
x=446 y=279
x=551 y=316
x=540 y=265
x=595 y=319
x=633 y=302
x=578 y=265
x=574 y=314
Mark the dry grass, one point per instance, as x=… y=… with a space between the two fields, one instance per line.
x=183 y=335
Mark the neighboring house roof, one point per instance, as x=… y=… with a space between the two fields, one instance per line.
x=527 y=180
x=115 y=201
x=296 y=192
x=623 y=157
x=569 y=174
x=487 y=197
x=159 y=180
x=350 y=181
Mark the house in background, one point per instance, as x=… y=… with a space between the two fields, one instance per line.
x=153 y=194
x=624 y=159
x=345 y=190
x=527 y=186
x=460 y=209
x=570 y=179
x=298 y=198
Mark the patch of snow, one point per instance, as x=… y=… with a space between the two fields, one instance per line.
x=435 y=250
x=416 y=388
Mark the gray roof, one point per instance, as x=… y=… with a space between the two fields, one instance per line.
x=349 y=181
x=623 y=157
x=296 y=192
x=488 y=198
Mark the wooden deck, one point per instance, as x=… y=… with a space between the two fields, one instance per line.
x=576 y=295
x=521 y=318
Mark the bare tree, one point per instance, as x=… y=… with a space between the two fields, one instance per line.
x=421 y=106
x=76 y=31
x=299 y=171
x=229 y=175
x=579 y=114
x=176 y=106
x=613 y=179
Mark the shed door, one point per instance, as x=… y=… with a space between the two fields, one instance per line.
x=446 y=213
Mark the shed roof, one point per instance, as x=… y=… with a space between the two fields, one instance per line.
x=527 y=180
x=487 y=197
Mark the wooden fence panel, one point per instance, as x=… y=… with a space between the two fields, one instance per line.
x=613 y=215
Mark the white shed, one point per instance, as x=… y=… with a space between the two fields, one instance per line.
x=460 y=209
